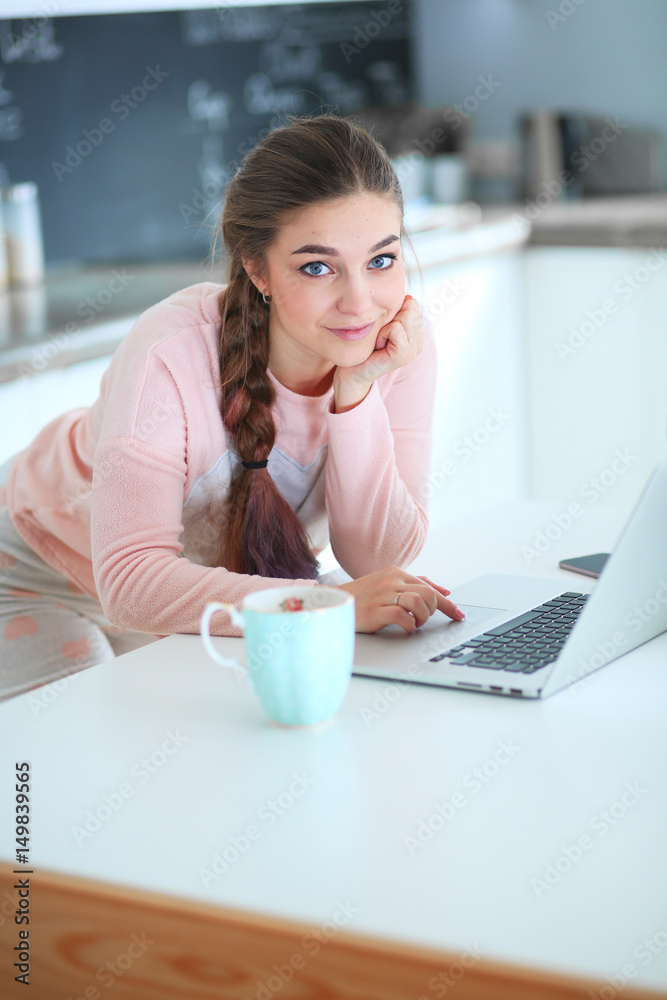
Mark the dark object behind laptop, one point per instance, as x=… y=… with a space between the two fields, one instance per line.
x=588 y=565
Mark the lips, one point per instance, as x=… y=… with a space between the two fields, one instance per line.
x=353 y=334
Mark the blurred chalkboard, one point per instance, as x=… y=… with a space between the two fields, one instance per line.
x=132 y=124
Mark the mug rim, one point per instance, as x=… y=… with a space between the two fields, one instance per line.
x=347 y=599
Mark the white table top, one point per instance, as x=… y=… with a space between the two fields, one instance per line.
x=325 y=813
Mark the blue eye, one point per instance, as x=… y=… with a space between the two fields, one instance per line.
x=388 y=259
x=313 y=263
x=385 y=256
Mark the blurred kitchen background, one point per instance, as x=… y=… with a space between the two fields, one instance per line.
x=529 y=137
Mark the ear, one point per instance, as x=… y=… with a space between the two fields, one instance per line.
x=256 y=278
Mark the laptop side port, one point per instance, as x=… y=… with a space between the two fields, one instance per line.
x=468 y=684
x=494 y=687
x=515 y=691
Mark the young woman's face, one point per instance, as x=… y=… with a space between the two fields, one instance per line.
x=336 y=266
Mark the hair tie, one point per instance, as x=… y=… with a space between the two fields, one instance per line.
x=255 y=465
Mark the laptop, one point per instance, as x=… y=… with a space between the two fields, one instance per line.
x=529 y=636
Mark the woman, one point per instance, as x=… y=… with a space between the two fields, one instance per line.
x=239 y=428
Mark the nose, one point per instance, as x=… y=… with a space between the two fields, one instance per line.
x=355 y=300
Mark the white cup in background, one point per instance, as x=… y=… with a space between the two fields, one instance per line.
x=412 y=174
x=21 y=221
x=449 y=178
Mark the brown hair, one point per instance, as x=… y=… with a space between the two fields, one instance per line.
x=309 y=160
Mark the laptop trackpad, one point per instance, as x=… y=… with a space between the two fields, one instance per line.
x=453 y=632
x=474 y=621
x=391 y=651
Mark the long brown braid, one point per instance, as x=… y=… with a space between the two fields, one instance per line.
x=309 y=160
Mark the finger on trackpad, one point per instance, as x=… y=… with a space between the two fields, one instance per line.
x=475 y=617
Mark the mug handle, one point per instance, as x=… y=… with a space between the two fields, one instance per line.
x=237 y=619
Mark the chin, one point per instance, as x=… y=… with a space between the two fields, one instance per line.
x=355 y=354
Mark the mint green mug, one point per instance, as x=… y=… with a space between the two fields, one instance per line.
x=300 y=661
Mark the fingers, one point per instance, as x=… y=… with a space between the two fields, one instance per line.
x=409 y=303
x=450 y=609
x=402 y=336
x=442 y=604
x=408 y=316
x=419 y=598
x=410 y=307
x=436 y=586
x=412 y=603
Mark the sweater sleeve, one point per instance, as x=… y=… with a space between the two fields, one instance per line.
x=377 y=468
x=143 y=582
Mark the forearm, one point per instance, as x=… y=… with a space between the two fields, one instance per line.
x=374 y=519
x=160 y=594
x=142 y=580
x=392 y=533
x=348 y=395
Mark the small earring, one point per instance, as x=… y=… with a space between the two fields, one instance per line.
x=264 y=297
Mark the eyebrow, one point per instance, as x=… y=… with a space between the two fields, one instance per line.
x=332 y=252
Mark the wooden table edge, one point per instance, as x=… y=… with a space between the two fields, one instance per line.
x=191 y=950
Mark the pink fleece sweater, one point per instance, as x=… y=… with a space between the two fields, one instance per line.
x=113 y=495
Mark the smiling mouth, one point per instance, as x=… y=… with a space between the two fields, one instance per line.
x=353 y=332
x=351 y=329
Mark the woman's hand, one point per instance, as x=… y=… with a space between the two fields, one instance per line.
x=418 y=599
x=397 y=343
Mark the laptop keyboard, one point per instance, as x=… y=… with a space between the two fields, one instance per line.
x=525 y=643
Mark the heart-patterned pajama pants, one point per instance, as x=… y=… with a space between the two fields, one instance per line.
x=49 y=628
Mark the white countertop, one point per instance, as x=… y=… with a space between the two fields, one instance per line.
x=628 y=221
x=310 y=821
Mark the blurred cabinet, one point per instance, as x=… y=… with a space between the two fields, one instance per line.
x=597 y=371
x=476 y=306
x=29 y=403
